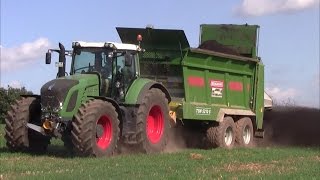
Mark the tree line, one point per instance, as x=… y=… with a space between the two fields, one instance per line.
x=7 y=97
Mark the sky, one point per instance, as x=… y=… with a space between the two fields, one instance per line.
x=288 y=43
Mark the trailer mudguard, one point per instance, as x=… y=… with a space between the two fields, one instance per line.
x=139 y=88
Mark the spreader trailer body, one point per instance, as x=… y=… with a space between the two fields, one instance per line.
x=133 y=93
x=220 y=84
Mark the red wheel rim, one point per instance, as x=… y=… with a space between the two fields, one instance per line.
x=155 y=124
x=104 y=140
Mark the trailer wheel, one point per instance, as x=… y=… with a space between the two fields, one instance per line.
x=95 y=129
x=17 y=135
x=153 y=122
x=244 y=132
x=222 y=134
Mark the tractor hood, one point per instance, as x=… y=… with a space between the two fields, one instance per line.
x=155 y=38
x=54 y=92
x=84 y=78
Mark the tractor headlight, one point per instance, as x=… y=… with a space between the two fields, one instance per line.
x=44 y=108
x=46 y=115
x=57 y=109
x=117 y=84
x=121 y=94
x=75 y=44
x=109 y=45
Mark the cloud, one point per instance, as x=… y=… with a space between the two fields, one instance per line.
x=24 y=54
x=282 y=95
x=264 y=7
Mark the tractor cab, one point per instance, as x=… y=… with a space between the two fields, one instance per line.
x=115 y=64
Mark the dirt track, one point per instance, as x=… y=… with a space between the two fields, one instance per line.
x=291 y=126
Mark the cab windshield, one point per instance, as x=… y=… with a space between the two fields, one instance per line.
x=110 y=65
x=92 y=59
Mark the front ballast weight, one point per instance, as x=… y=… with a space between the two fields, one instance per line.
x=51 y=124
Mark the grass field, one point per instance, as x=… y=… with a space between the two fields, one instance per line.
x=255 y=163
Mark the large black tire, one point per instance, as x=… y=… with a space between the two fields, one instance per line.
x=222 y=134
x=244 y=132
x=17 y=135
x=95 y=129
x=153 y=122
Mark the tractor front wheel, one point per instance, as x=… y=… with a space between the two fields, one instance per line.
x=17 y=135
x=153 y=122
x=95 y=129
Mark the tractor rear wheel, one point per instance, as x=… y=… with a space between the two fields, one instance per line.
x=244 y=132
x=222 y=134
x=95 y=129
x=153 y=122
x=17 y=135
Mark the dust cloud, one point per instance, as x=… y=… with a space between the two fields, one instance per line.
x=291 y=126
x=284 y=126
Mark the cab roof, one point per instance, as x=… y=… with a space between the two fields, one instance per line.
x=119 y=46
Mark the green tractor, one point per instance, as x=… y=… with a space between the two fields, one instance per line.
x=102 y=101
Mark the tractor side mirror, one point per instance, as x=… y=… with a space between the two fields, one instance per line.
x=48 y=58
x=128 y=59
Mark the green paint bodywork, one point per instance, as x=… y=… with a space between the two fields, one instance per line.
x=134 y=90
x=210 y=67
x=88 y=86
x=172 y=62
x=241 y=38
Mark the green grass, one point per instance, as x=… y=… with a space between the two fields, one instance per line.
x=256 y=163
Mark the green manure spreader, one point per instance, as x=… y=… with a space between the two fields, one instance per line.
x=135 y=92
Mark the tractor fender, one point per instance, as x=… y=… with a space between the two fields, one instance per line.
x=149 y=86
x=113 y=102
x=139 y=88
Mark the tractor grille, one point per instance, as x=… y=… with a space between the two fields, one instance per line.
x=49 y=100
x=55 y=91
